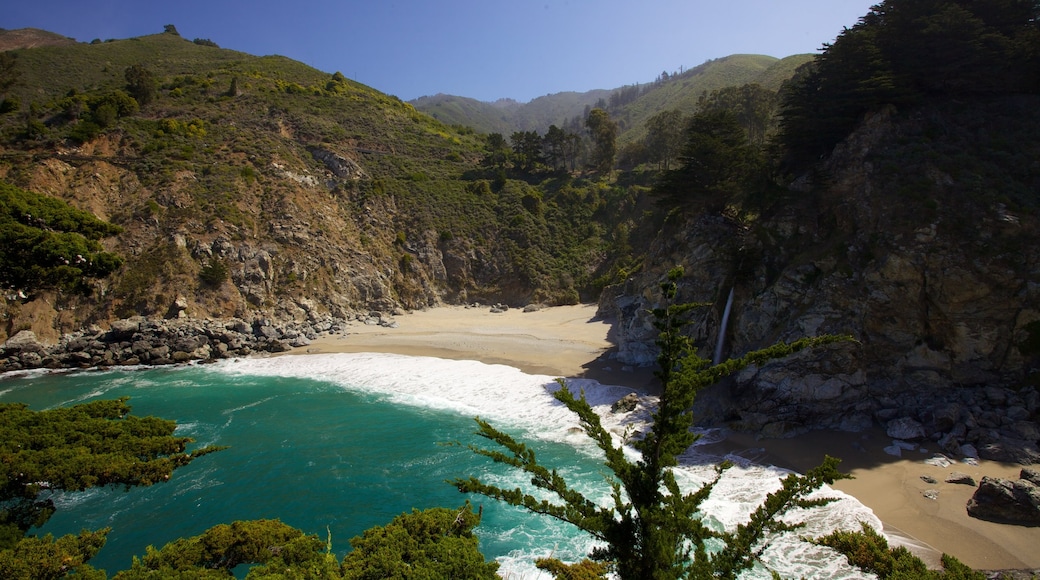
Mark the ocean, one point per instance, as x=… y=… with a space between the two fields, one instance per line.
x=338 y=443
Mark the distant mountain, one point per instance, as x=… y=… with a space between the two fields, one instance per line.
x=630 y=105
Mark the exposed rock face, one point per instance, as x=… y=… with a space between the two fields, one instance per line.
x=943 y=308
x=1007 y=501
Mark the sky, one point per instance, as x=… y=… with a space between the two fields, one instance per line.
x=483 y=49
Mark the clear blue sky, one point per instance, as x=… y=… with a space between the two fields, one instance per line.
x=485 y=49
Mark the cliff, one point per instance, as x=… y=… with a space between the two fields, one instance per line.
x=917 y=237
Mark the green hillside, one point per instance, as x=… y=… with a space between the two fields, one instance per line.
x=292 y=184
x=481 y=116
x=638 y=102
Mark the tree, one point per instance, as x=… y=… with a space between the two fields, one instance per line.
x=716 y=161
x=664 y=133
x=754 y=106
x=170 y=29
x=49 y=559
x=554 y=145
x=604 y=132
x=272 y=546
x=497 y=152
x=9 y=75
x=652 y=531
x=527 y=149
x=141 y=84
x=435 y=543
x=46 y=243
x=903 y=52
x=76 y=448
x=869 y=551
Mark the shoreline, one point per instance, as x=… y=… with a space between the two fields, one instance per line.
x=569 y=341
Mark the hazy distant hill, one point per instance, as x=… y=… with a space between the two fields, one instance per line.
x=629 y=105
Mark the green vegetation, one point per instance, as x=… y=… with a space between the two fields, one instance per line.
x=868 y=550
x=435 y=543
x=45 y=243
x=905 y=53
x=76 y=448
x=653 y=530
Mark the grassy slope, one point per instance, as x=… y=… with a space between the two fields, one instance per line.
x=681 y=92
x=200 y=164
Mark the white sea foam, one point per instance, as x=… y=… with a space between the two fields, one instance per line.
x=508 y=397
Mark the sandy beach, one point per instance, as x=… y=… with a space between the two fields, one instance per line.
x=568 y=341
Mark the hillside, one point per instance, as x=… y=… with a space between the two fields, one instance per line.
x=31 y=38
x=257 y=186
x=677 y=91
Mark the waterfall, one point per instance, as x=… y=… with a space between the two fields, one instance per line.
x=722 y=329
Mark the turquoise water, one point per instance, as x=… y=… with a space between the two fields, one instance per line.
x=346 y=442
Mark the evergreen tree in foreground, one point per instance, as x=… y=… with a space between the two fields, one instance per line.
x=653 y=530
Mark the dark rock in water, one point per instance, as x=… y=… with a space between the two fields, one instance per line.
x=782 y=429
x=138 y=340
x=1007 y=501
x=626 y=404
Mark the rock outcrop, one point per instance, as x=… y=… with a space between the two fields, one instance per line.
x=940 y=295
x=142 y=341
x=1007 y=501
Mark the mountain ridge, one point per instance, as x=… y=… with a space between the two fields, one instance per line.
x=678 y=91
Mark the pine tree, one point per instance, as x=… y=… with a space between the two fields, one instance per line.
x=652 y=530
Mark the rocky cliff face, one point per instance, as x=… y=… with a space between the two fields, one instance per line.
x=306 y=243
x=939 y=285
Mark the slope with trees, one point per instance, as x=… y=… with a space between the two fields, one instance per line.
x=286 y=177
x=632 y=105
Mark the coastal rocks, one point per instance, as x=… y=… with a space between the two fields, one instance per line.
x=1007 y=501
x=138 y=340
x=626 y=404
x=23 y=342
x=904 y=428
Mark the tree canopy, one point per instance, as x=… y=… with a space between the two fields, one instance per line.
x=904 y=51
x=46 y=243
x=603 y=131
x=716 y=162
x=76 y=448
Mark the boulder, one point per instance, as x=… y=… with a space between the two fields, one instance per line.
x=1006 y=501
x=121 y=330
x=1009 y=450
x=626 y=404
x=24 y=341
x=961 y=478
x=904 y=428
